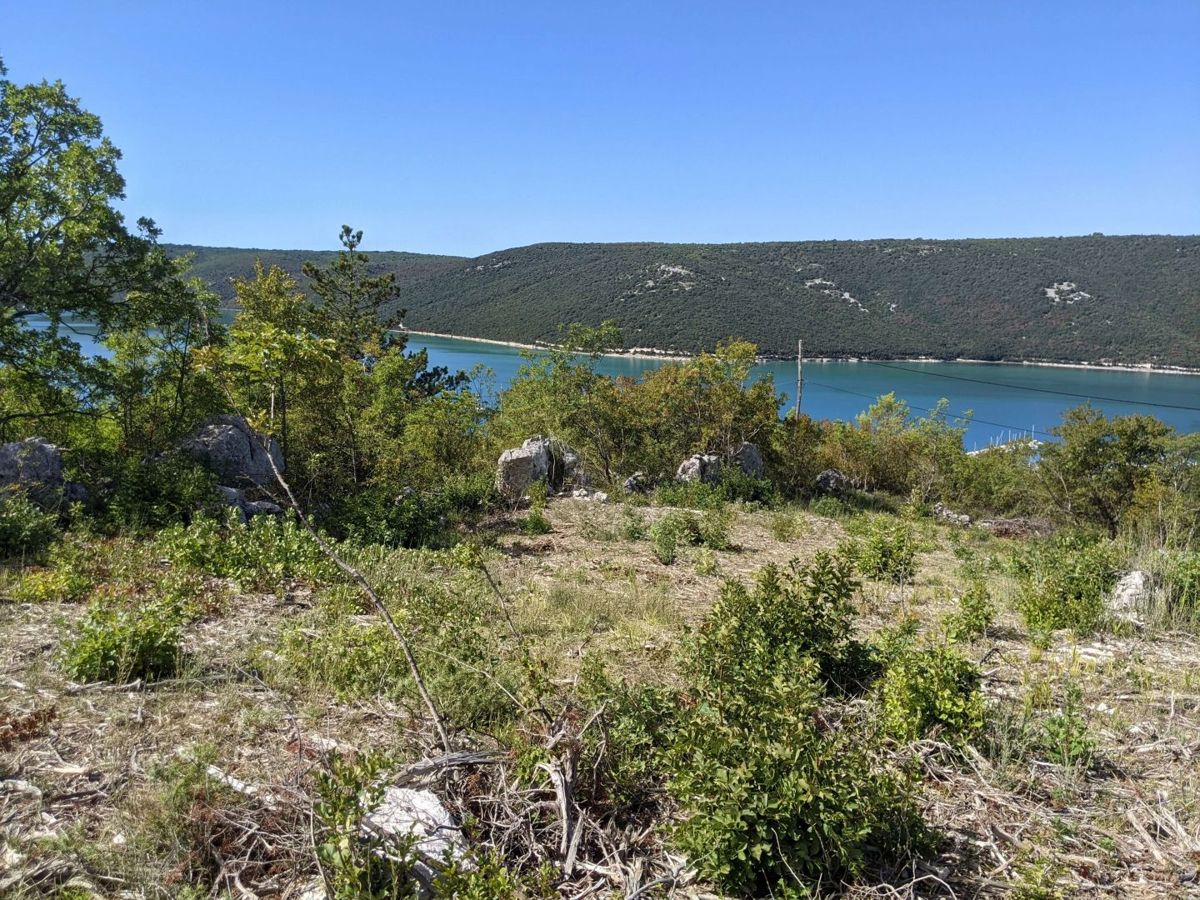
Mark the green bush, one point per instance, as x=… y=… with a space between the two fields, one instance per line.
x=785 y=526
x=706 y=562
x=622 y=765
x=887 y=550
x=738 y=487
x=771 y=792
x=355 y=865
x=774 y=798
x=264 y=554
x=1064 y=583
x=149 y=495
x=781 y=787
x=932 y=691
x=121 y=644
x=791 y=620
x=536 y=523
x=666 y=542
x=1065 y=737
x=684 y=528
x=1179 y=581
x=689 y=495
x=411 y=518
x=51 y=586
x=632 y=524
x=26 y=530
x=712 y=531
x=828 y=507
x=974 y=616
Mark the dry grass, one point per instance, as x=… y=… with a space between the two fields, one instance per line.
x=79 y=782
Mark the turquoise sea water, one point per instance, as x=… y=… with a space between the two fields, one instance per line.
x=1005 y=400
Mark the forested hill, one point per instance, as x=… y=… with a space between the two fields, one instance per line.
x=1131 y=299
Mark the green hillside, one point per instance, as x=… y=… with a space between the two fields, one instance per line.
x=1127 y=299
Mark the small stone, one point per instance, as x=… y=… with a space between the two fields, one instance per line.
x=637 y=483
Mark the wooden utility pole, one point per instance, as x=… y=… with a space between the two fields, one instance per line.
x=799 y=375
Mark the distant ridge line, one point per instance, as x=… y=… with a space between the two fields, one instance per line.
x=1129 y=300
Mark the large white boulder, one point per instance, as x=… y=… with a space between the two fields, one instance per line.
x=31 y=464
x=705 y=467
x=1129 y=597
x=520 y=467
x=234 y=451
x=748 y=458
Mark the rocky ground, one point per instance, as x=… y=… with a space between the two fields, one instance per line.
x=86 y=769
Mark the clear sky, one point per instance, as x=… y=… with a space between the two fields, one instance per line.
x=469 y=127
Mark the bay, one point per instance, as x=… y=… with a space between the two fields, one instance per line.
x=1004 y=401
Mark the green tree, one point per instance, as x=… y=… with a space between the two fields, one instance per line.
x=1092 y=473
x=358 y=310
x=65 y=251
x=153 y=387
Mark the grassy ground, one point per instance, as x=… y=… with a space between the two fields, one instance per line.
x=90 y=774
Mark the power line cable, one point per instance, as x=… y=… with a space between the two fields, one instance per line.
x=1022 y=387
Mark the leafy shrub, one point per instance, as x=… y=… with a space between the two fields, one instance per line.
x=738 y=487
x=536 y=523
x=26 y=530
x=974 y=616
x=266 y=553
x=773 y=799
x=771 y=792
x=1065 y=733
x=623 y=766
x=666 y=542
x=51 y=586
x=411 y=518
x=887 y=550
x=706 y=562
x=1064 y=583
x=683 y=528
x=932 y=690
x=118 y=645
x=791 y=620
x=785 y=526
x=632 y=524
x=689 y=495
x=356 y=865
x=1179 y=580
x=150 y=495
x=712 y=531
x=828 y=507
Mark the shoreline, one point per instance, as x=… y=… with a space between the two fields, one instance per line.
x=669 y=355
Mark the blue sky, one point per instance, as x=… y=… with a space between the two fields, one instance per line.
x=470 y=127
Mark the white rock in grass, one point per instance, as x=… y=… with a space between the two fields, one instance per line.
x=518 y=468
x=703 y=467
x=405 y=813
x=1129 y=597
x=234 y=451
